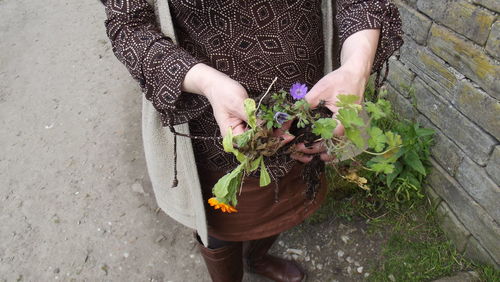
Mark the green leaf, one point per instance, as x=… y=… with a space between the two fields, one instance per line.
x=221 y=188
x=385 y=106
x=324 y=127
x=349 y=118
x=375 y=111
x=250 y=109
x=393 y=140
x=233 y=187
x=242 y=139
x=265 y=179
x=346 y=101
x=377 y=139
x=227 y=142
x=411 y=158
x=421 y=132
x=392 y=176
x=255 y=164
x=240 y=156
x=354 y=135
x=385 y=168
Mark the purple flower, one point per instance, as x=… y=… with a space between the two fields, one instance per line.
x=281 y=117
x=298 y=91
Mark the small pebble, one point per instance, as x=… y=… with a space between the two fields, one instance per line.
x=349 y=270
x=295 y=251
x=319 y=266
x=349 y=260
x=125 y=255
x=360 y=269
x=137 y=187
x=344 y=239
x=340 y=253
x=356 y=263
x=56 y=270
x=392 y=278
x=367 y=274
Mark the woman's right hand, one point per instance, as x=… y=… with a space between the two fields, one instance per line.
x=224 y=94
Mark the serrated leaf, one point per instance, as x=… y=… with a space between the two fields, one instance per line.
x=349 y=118
x=375 y=111
x=385 y=106
x=385 y=168
x=411 y=158
x=265 y=179
x=346 y=101
x=393 y=140
x=250 y=109
x=324 y=127
x=377 y=139
x=354 y=135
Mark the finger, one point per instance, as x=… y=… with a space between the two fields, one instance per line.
x=239 y=129
x=339 y=130
x=313 y=96
x=316 y=148
x=286 y=126
x=301 y=157
x=322 y=91
x=283 y=133
x=326 y=158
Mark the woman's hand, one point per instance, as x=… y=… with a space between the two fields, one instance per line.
x=224 y=94
x=341 y=81
x=356 y=58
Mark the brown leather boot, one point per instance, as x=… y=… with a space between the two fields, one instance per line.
x=224 y=264
x=258 y=261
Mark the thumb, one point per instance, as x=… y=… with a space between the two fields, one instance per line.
x=339 y=130
x=283 y=133
x=312 y=97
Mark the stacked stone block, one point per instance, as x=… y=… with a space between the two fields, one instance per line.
x=447 y=77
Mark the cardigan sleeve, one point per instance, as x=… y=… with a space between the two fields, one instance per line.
x=152 y=59
x=355 y=15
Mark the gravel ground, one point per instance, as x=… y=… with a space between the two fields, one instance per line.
x=75 y=200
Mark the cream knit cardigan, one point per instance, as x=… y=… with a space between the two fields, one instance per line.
x=184 y=203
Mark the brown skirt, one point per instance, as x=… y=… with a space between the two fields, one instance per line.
x=259 y=215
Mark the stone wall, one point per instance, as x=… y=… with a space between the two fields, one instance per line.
x=447 y=78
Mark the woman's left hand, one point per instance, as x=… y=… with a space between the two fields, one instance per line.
x=341 y=81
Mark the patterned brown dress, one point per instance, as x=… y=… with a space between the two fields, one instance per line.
x=252 y=42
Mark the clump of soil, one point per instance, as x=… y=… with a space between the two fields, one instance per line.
x=312 y=170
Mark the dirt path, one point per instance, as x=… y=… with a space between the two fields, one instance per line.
x=75 y=200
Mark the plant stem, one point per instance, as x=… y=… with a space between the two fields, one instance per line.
x=267 y=92
x=381 y=153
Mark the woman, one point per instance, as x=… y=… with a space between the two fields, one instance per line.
x=228 y=51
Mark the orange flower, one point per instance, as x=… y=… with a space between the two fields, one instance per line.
x=222 y=206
